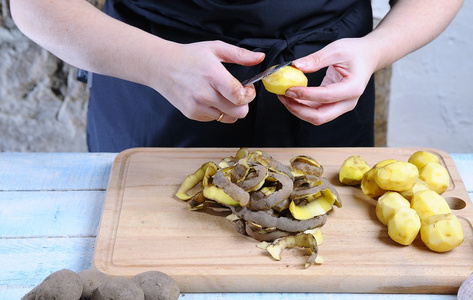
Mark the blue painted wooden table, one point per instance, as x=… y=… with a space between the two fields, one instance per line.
x=50 y=207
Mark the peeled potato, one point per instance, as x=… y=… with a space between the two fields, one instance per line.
x=421 y=158
x=397 y=176
x=429 y=203
x=352 y=170
x=284 y=78
x=442 y=232
x=369 y=186
x=404 y=226
x=436 y=176
x=388 y=204
x=419 y=186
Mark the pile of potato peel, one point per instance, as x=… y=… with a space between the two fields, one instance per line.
x=267 y=200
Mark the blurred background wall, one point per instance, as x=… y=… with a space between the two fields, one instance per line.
x=425 y=99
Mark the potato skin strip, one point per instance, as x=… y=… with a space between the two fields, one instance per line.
x=283 y=223
x=234 y=191
x=260 y=201
x=193 y=180
x=303 y=164
x=301 y=240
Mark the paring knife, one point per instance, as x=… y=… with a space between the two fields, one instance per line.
x=265 y=73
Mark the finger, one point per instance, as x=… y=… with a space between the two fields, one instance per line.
x=317 y=114
x=227 y=85
x=224 y=118
x=237 y=55
x=317 y=60
x=232 y=90
x=224 y=105
x=339 y=91
x=209 y=114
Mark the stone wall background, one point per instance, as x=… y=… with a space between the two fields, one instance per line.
x=43 y=107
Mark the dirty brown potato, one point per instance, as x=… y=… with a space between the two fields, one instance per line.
x=63 y=284
x=157 y=285
x=119 y=288
x=91 y=279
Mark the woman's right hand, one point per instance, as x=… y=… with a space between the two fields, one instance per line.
x=195 y=81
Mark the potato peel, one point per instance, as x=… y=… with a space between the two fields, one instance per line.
x=300 y=240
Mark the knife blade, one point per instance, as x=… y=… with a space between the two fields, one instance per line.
x=265 y=73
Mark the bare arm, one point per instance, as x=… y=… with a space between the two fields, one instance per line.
x=83 y=36
x=408 y=26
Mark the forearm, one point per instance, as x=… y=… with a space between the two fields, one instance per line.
x=408 y=26
x=83 y=36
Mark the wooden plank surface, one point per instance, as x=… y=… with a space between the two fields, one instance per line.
x=55 y=171
x=50 y=214
x=144 y=228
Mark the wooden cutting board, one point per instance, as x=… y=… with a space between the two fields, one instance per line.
x=144 y=227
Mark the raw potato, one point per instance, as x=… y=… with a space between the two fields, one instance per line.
x=436 y=176
x=92 y=284
x=63 y=284
x=157 y=285
x=397 y=176
x=119 y=288
x=283 y=79
x=404 y=226
x=369 y=186
x=429 y=203
x=442 y=232
x=421 y=181
x=368 y=183
x=421 y=158
x=352 y=170
x=388 y=204
x=91 y=279
x=419 y=186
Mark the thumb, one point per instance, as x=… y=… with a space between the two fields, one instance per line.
x=237 y=55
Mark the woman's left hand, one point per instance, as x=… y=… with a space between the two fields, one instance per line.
x=350 y=64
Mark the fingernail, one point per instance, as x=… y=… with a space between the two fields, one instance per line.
x=300 y=64
x=290 y=94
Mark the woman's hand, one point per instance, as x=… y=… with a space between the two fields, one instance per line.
x=350 y=64
x=196 y=82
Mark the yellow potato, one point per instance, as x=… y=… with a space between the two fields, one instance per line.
x=352 y=170
x=421 y=158
x=369 y=186
x=385 y=162
x=442 y=232
x=404 y=226
x=429 y=203
x=284 y=78
x=388 y=204
x=436 y=176
x=397 y=176
x=419 y=186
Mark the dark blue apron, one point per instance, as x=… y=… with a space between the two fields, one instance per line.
x=122 y=114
